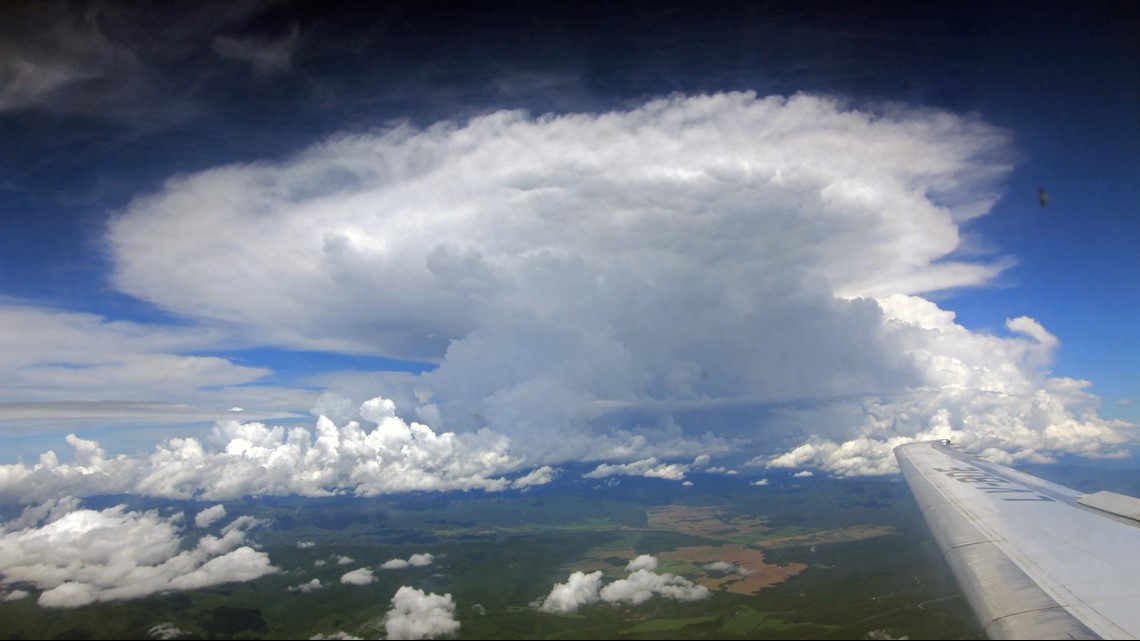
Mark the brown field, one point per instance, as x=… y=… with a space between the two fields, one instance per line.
x=711 y=521
x=760 y=575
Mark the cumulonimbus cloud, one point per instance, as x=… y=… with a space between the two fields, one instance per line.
x=83 y=556
x=576 y=275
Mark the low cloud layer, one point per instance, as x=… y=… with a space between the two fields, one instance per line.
x=419 y=615
x=642 y=584
x=649 y=468
x=252 y=459
x=85 y=556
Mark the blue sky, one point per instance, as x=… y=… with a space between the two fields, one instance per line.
x=501 y=219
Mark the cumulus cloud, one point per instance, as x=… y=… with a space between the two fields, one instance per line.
x=209 y=515
x=360 y=576
x=761 y=482
x=86 y=556
x=166 y=631
x=579 y=590
x=649 y=468
x=538 y=476
x=416 y=560
x=719 y=469
x=642 y=584
x=250 y=459
x=306 y=588
x=643 y=562
x=988 y=394
x=724 y=567
x=303 y=545
x=419 y=615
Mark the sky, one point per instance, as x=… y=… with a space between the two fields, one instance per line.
x=297 y=248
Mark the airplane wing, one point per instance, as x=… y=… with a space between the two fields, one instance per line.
x=1036 y=560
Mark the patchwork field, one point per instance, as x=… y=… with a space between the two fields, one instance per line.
x=836 y=559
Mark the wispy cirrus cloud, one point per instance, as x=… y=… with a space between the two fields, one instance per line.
x=70 y=368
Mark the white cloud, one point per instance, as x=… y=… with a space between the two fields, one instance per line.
x=342 y=560
x=642 y=584
x=341 y=634
x=761 y=482
x=359 y=576
x=65 y=368
x=581 y=274
x=250 y=459
x=649 y=468
x=312 y=585
x=988 y=394
x=557 y=265
x=85 y=556
x=416 y=560
x=724 y=567
x=579 y=590
x=166 y=631
x=14 y=595
x=302 y=545
x=643 y=562
x=538 y=476
x=209 y=515
x=419 y=615
x=803 y=474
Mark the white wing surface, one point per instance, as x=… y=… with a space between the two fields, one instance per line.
x=1036 y=560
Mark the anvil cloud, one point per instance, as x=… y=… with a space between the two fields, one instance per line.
x=598 y=286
